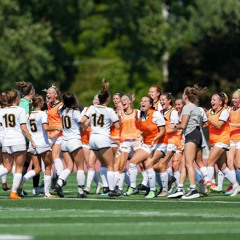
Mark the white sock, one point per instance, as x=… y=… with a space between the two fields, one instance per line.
x=151 y=179
x=13 y=170
x=28 y=175
x=164 y=179
x=47 y=183
x=103 y=173
x=116 y=177
x=177 y=176
x=158 y=179
x=63 y=176
x=127 y=177
x=58 y=165
x=4 y=177
x=220 y=178
x=42 y=166
x=111 y=180
x=210 y=173
x=90 y=177
x=121 y=180
x=96 y=178
x=145 y=178
x=133 y=174
x=230 y=175
x=17 y=178
x=80 y=177
x=204 y=173
x=3 y=171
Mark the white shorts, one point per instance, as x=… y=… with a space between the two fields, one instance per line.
x=39 y=149
x=56 y=140
x=115 y=144
x=99 y=141
x=170 y=147
x=156 y=147
x=85 y=145
x=235 y=144
x=14 y=149
x=130 y=145
x=222 y=145
x=71 y=145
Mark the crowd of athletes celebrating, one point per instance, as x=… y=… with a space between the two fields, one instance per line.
x=163 y=141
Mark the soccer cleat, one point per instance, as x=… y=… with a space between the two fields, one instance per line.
x=213 y=185
x=179 y=192
x=37 y=191
x=230 y=187
x=129 y=192
x=82 y=195
x=193 y=193
x=99 y=188
x=49 y=195
x=141 y=187
x=217 y=189
x=203 y=189
x=163 y=193
x=151 y=194
x=14 y=196
x=115 y=193
x=236 y=190
x=59 y=190
x=170 y=182
x=86 y=190
x=5 y=186
x=54 y=182
x=147 y=191
x=105 y=191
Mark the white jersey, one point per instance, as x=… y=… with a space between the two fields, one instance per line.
x=35 y=126
x=70 y=123
x=11 y=118
x=101 y=118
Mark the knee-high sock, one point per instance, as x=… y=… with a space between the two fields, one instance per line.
x=151 y=179
x=58 y=165
x=133 y=174
x=63 y=176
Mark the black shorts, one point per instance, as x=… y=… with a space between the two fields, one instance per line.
x=195 y=136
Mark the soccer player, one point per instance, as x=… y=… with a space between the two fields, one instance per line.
x=13 y=120
x=38 y=127
x=54 y=119
x=101 y=117
x=71 y=145
x=219 y=139
x=152 y=125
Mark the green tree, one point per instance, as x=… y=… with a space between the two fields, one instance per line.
x=23 y=46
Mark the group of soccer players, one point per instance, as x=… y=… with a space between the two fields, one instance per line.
x=163 y=139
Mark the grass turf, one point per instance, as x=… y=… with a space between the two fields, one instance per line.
x=134 y=217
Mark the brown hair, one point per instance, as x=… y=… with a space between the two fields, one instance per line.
x=12 y=95
x=169 y=96
x=25 y=87
x=3 y=99
x=193 y=92
x=104 y=94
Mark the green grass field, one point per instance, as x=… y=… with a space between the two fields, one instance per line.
x=99 y=217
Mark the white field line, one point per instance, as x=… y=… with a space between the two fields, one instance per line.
x=127 y=199
x=79 y=213
x=15 y=237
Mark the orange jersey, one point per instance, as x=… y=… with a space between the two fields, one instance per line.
x=54 y=118
x=149 y=129
x=169 y=137
x=218 y=135
x=235 y=118
x=129 y=126
x=114 y=133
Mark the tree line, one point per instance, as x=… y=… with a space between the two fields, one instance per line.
x=132 y=44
